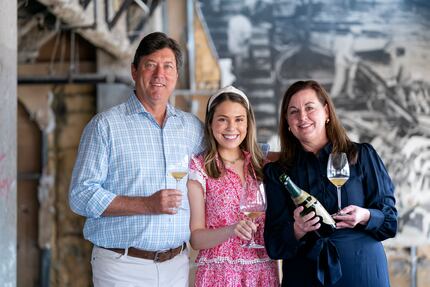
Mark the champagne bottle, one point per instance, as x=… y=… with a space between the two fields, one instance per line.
x=310 y=203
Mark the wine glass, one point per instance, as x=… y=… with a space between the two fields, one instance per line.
x=338 y=173
x=253 y=204
x=178 y=170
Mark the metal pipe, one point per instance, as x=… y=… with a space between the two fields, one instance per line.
x=98 y=79
x=72 y=66
x=413 y=266
x=45 y=266
x=191 y=44
x=74 y=79
x=165 y=17
x=45 y=259
x=95 y=14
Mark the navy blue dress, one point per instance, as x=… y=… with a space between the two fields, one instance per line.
x=348 y=257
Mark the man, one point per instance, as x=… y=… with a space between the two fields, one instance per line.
x=346 y=62
x=121 y=184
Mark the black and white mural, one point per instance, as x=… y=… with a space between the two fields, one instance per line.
x=372 y=56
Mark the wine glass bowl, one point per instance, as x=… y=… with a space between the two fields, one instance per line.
x=178 y=170
x=178 y=175
x=253 y=205
x=338 y=173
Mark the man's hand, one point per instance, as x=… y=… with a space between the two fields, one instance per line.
x=164 y=201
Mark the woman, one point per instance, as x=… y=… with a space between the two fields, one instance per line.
x=232 y=160
x=353 y=255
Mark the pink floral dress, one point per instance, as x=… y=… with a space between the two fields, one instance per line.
x=229 y=264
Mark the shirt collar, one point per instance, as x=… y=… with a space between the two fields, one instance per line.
x=134 y=106
x=326 y=150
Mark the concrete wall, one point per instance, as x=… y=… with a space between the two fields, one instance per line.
x=8 y=58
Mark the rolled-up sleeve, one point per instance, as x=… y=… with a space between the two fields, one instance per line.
x=87 y=197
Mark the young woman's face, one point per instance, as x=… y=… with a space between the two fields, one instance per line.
x=229 y=125
x=307 y=117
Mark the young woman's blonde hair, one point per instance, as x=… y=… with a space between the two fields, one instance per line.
x=249 y=143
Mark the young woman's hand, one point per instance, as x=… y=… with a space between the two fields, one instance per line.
x=244 y=229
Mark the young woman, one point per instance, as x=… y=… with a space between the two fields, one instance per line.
x=231 y=160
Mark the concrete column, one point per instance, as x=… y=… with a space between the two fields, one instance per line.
x=8 y=142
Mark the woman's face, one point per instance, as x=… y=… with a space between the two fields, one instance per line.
x=306 y=118
x=229 y=125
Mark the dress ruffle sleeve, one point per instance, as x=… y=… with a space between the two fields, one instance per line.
x=197 y=172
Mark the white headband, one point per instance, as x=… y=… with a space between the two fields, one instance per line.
x=228 y=89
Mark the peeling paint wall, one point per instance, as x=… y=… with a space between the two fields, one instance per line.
x=8 y=58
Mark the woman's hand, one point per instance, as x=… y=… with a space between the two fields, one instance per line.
x=244 y=229
x=304 y=224
x=350 y=216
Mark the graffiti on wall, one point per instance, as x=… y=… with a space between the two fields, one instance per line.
x=373 y=58
x=5 y=183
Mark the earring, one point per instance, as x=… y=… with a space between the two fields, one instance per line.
x=289 y=129
x=327 y=120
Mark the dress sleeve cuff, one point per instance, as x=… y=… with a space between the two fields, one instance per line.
x=376 y=220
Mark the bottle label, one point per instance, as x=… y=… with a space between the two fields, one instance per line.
x=320 y=211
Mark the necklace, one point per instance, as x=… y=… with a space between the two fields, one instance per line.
x=231 y=161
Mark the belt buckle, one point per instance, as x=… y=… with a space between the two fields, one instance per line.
x=156 y=256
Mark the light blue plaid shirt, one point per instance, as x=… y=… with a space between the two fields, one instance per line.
x=123 y=151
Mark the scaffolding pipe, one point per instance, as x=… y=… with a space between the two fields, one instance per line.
x=74 y=79
x=413 y=254
x=191 y=44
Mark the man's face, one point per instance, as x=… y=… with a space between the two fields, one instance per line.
x=155 y=77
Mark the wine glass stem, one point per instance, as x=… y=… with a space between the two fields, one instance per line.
x=339 y=199
x=251 y=241
x=177 y=188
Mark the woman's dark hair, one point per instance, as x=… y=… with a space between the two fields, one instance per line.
x=154 y=42
x=336 y=133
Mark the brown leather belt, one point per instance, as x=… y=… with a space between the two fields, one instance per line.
x=157 y=256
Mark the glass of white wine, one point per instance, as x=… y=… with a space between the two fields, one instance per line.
x=253 y=205
x=338 y=173
x=178 y=171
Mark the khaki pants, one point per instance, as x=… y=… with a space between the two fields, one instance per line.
x=111 y=269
